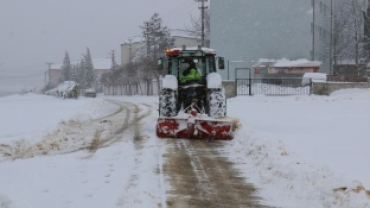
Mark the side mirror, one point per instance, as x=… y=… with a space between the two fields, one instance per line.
x=160 y=63
x=221 y=63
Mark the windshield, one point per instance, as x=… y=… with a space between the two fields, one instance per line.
x=197 y=63
x=204 y=65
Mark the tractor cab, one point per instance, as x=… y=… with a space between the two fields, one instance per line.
x=192 y=95
x=181 y=60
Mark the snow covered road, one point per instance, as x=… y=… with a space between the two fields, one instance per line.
x=201 y=175
x=103 y=152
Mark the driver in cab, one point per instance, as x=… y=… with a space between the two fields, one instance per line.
x=190 y=74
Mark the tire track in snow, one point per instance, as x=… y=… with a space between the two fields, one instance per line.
x=200 y=176
x=73 y=136
x=137 y=192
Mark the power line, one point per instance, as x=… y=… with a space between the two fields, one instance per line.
x=5 y=66
x=178 y=8
x=177 y=15
x=20 y=76
x=174 y=22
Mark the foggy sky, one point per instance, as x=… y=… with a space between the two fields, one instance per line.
x=37 y=31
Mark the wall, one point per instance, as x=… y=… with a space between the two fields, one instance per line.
x=140 y=89
x=321 y=49
x=247 y=30
x=230 y=88
x=125 y=51
x=326 y=88
x=54 y=75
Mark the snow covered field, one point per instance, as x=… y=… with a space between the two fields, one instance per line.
x=299 y=151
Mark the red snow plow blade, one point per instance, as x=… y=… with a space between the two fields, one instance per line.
x=194 y=128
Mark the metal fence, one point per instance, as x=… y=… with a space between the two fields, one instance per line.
x=274 y=86
x=141 y=88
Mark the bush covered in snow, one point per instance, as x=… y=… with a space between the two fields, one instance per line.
x=67 y=89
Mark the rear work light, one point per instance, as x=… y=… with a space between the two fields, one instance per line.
x=172 y=52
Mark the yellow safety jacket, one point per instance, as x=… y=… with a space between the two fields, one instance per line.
x=193 y=75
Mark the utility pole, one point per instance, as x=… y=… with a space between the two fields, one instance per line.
x=45 y=79
x=129 y=49
x=83 y=77
x=113 y=56
x=313 y=30
x=202 y=9
x=148 y=24
x=49 y=67
x=113 y=59
x=147 y=38
x=331 y=38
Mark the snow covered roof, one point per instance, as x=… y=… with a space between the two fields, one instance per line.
x=286 y=63
x=134 y=39
x=99 y=63
x=206 y=50
x=180 y=33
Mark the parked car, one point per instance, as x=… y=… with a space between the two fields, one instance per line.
x=90 y=92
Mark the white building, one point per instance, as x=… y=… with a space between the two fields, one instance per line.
x=129 y=48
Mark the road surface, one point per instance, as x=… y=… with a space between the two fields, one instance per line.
x=192 y=173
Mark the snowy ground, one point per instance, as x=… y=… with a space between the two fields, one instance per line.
x=300 y=151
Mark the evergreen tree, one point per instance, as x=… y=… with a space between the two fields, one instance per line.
x=88 y=71
x=65 y=69
x=74 y=71
x=157 y=36
x=79 y=77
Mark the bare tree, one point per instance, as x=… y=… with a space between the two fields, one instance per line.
x=348 y=34
x=366 y=41
x=339 y=45
x=195 y=29
x=106 y=79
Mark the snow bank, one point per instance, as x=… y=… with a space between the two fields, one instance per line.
x=5 y=202
x=305 y=151
x=314 y=77
x=29 y=116
x=287 y=180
